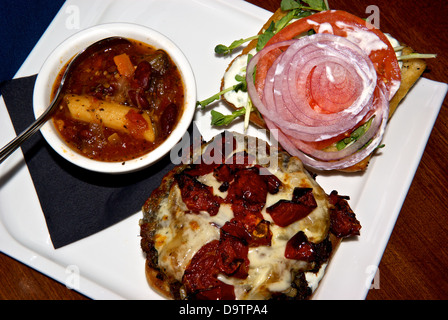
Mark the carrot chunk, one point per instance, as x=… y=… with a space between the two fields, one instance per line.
x=124 y=65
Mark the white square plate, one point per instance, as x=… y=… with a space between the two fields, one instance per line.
x=110 y=264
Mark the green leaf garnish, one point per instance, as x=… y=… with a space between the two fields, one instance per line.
x=214 y=97
x=355 y=135
x=318 y=5
x=265 y=36
x=219 y=119
x=315 y=5
x=225 y=50
x=241 y=85
x=296 y=10
x=290 y=5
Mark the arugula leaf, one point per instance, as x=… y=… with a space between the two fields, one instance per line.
x=317 y=5
x=286 y=5
x=275 y=27
x=266 y=36
x=280 y=24
x=295 y=10
x=355 y=135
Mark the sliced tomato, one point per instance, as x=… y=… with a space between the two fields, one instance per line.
x=342 y=24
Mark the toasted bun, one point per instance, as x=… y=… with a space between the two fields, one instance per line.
x=157 y=281
x=410 y=73
x=156 y=278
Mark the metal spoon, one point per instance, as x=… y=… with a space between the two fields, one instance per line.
x=7 y=150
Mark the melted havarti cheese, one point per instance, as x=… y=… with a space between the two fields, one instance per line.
x=180 y=235
x=269 y=270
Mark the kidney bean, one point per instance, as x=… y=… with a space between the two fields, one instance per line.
x=168 y=119
x=133 y=97
x=138 y=99
x=142 y=101
x=142 y=75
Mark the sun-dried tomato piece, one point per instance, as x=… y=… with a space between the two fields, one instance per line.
x=200 y=273
x=198 y=196
x=272 y=182
x=304 y=196
x=200 y=277
x=246 y=215
x=249 y=187
x=232 y=257
x=223 y=173
x=258 y=229
x=343 y=222
x=299 y=248
x=285 y=212
x=235 y=228
x=228 y=256
x=254 y=232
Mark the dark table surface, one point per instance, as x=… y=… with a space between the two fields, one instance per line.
x=415 y=261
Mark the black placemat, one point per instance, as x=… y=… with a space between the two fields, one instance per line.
x=76 y=202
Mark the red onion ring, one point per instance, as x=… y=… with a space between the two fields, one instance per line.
x=293 y=106
x=335 y=160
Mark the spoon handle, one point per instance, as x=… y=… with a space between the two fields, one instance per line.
x=7 y=150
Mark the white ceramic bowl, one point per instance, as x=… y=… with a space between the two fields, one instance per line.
x=66 y=50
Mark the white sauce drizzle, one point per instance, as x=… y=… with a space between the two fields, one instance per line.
x=365 y=39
